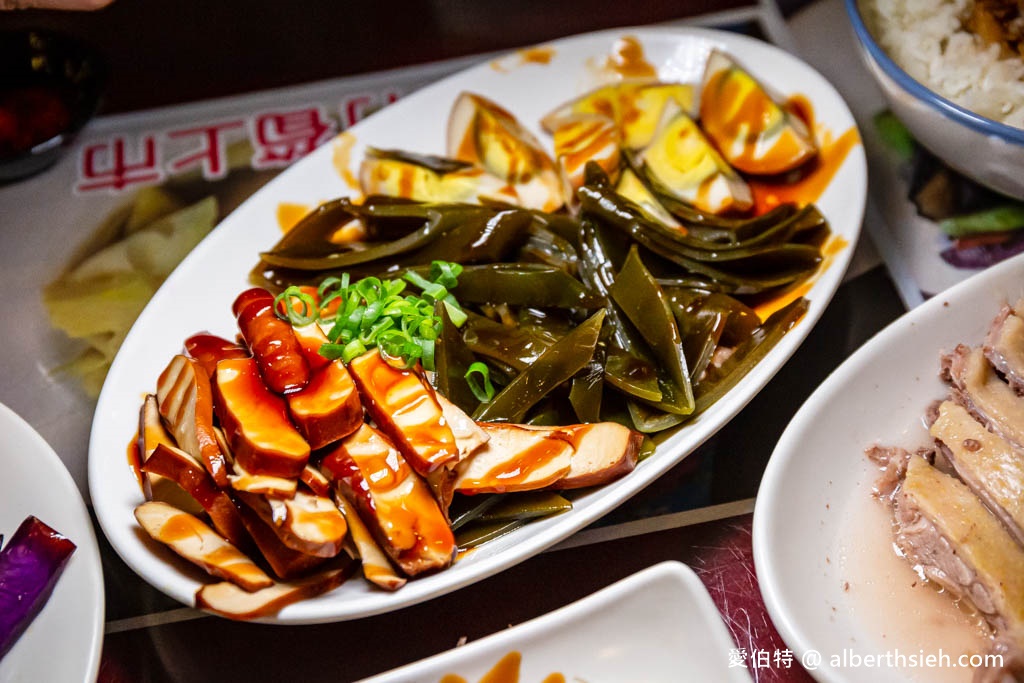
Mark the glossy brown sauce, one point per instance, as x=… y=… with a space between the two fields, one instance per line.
x=832 y=247
x=590 y=139
x=265 y=422
x=180 y=527
x=401 y=394
x=135 y=462
x=289 y=214
x=517 y=470
x=341 y=157
x=407 y=511
x=505 y=671
x=628 y=60
x=536 y=55
x=814 y=179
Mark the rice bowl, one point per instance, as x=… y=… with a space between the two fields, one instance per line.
x=928 y=40
x=984 y=149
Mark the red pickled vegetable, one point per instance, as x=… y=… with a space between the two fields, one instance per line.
x=30 y=565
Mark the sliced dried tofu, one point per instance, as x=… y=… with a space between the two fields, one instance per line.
x=207 y=349
x=261 y=484
x=306 y=523
x=377 y=568
x=151 y=434
x=515 y=459
x=602 y=452
x=228 y=600
x=315 y=480
x=311 y=337
x=285 y=562
x=328 y=408
x=689 y=168
x=405 y=179
x=469 y=436
x=255 y=421
x=181 y=467
x=190 y=538
x=391 y=499
x=185 y=398
x=483 y=133
x=751 y=130
x=405 y=407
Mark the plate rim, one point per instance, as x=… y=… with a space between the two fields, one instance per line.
x=85 y=540
x=823 y=290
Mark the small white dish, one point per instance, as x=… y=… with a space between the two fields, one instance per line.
x=62 y=644
x=198 y=295
x=815 y=497
x=657 y=626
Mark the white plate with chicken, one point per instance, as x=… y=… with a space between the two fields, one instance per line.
x=888 y=519
x=772 y=219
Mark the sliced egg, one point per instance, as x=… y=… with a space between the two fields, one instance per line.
x=633 y=189
x=481 y=132
x=682 y=160
x=750 y=129
x=404 y=178
x=583 y=138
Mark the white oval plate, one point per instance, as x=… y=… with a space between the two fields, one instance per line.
x=199 y=293
x=818 y=475
x=658 y=625
x=62 y=644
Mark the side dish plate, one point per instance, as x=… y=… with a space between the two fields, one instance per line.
x=70 y=625
x=815 y=498
x=658 y=625
x=198 y=295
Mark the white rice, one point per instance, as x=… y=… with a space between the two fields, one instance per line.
x=926 y=39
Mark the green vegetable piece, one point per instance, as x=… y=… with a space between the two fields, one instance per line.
x=646 y=305
x=516 y=347
x=650 y=420
x=475 y=535
x=452 y=360
x=748 y=355
x=525 y=506
x=587 y=389
x=894 y=134
x=632 y=375
x=564 y=359
x=467 y=509
x=997 y=219
x=522 y=284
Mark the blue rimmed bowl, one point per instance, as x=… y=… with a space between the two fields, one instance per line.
x=985 y=150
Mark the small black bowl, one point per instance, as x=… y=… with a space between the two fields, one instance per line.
x=50 y=86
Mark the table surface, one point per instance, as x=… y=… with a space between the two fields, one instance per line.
x=698 y=513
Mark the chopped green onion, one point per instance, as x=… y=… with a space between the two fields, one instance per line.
x=374 y=313
x=478 y=377
x=299 y=314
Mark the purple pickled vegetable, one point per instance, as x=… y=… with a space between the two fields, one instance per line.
x=30 y=565
x=983 y=255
